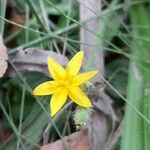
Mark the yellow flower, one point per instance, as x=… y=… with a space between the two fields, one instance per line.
x=66 y=83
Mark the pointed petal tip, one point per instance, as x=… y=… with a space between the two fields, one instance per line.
x=95 y=72
x=52 y=114
x=34 y=92
x=88 y=104
x=81 y=53
x=49 y=58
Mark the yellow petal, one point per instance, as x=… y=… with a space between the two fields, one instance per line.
x=81 y=78
x=77 y=95
x=45 y=88
x=58 y=100
x=55 y=69
x=74 y=64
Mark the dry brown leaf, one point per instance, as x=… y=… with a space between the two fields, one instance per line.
x=3 y=58
x=76 y=141
x=102 y=102
x=5 y=134
x=34 y=60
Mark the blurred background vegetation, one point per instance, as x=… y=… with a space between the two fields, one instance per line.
x=124 y=36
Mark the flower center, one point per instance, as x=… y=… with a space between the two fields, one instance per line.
x=64 y=83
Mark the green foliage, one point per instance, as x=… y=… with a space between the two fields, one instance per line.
x=117 y=72
x=54 y=25
x=136 y=129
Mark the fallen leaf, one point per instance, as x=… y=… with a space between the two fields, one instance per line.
x=34 y=60
x=3 y=58
x=76 y=141
x=102 y=102
x=5 y=134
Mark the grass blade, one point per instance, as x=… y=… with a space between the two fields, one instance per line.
x=2 y=13
x=136 y=130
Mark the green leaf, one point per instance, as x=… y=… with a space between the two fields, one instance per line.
x=136 y=132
